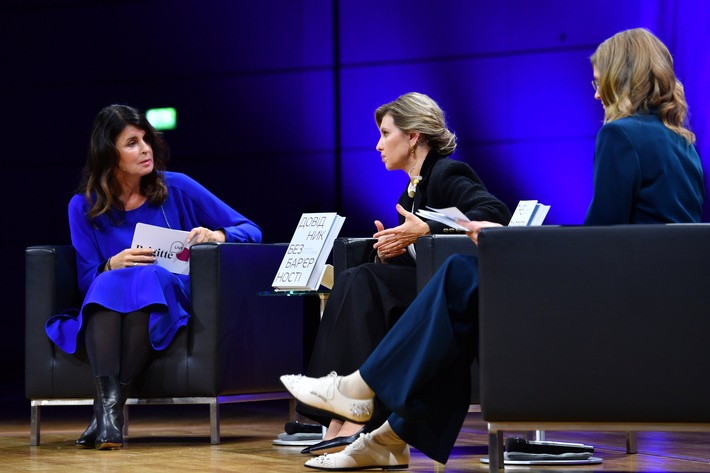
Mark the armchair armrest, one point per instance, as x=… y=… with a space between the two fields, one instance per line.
x=350 y=252
x=432 y=251
x=50 y=288
x=258 y=338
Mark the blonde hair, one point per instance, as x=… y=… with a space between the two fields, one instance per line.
x=636 y=75
x=415 y=112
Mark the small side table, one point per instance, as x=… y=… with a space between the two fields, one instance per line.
x=323 y=296
x=321 y=293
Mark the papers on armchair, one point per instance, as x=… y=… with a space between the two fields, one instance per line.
x=446 y=216
x=304 y=263
x=529 y=213
x=171 y=249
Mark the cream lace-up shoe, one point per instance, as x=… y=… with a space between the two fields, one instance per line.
x=364 y=454
x=323 y=394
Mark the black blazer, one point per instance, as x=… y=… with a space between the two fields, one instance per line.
x=450 y=183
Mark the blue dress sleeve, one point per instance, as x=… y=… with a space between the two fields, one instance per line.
x=196 y=206
x=89 y=256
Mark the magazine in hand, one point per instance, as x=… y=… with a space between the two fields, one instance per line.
x=303 y=265
x=171 y=249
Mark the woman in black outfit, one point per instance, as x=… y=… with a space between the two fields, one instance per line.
x=367 y=300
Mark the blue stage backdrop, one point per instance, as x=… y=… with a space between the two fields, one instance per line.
x=516 y=90
x=275 y=100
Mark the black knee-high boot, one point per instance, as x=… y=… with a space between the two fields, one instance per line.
x=88 y=438
x=108 y=411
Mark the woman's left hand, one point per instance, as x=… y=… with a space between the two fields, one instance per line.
x=202 y=235
x=393 y=242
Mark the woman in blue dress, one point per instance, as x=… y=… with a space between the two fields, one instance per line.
x=131 y=305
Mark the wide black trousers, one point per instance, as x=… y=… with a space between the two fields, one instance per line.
x=365 y=303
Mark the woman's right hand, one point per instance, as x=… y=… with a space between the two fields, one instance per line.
x=131 y=257
x=394 y=241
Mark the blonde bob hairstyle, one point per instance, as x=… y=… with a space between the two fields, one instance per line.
x=415 y=112
x=636 y=76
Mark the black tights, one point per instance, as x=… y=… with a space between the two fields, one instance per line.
x=118 y=344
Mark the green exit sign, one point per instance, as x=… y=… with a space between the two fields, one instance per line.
x=162 y=118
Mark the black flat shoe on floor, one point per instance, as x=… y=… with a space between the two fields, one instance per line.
x=333 y=445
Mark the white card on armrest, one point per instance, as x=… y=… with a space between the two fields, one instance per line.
x=529 y=213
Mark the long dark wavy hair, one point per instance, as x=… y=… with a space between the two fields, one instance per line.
x=98 y=182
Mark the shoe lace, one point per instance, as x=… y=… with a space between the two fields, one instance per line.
x=358 y=444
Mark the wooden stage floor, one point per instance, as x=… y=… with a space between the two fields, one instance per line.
x=175 y=439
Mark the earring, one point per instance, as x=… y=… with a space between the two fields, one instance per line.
x=413 y=180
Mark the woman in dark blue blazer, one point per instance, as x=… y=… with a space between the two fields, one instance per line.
x=646 y=170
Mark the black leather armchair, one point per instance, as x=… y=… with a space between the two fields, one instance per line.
x=432 y=251
x=234 y=348
x=594 y=328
